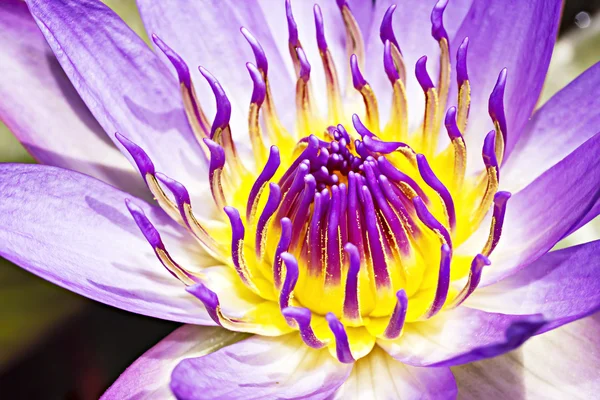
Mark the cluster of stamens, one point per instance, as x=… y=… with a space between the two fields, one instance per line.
x=359 y=226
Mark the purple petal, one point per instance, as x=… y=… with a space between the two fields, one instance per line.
x=76 y=232
x=541 y=214
x=378 y=376
x=44 y=111
x=519 y=37
x=562 y=364
x=564 y=123
x=124 y=84
x=563 y=286
x=149 y=376
x=260 y=367
x=460 y=336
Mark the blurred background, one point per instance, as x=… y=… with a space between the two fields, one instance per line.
x=58 y=345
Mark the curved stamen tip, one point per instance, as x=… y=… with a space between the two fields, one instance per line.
x=181 y=67
x=342 y=346
x=204 y=294
x=302 y=316
x=179 y=191
x=357 y=77
x=443 y=285
x=388 y=63
x=386 y=30
x=141 y=159
x=394 y=328
x=422 y=74
x=291 y=277
x=259 y=90
x=257 y=49
x=496 y=102
x=451 y=126
x=217 y=154
x=342 y=3
x=461 y=62
x=292 y=27
x=304 y=65
x=223 y=105
x=489 y=150
x=149 y=231
x=321 y=41
x=360 y=127
x=501 y=198
x=437 y=21
x=479 y=262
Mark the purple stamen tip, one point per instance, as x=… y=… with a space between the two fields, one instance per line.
x=386 y=30
x=360 y=127
x=342 y=346
x=260 y=88
x=388 y=63
x=461 y=62
x=351 y=306
x=257 y=49
x=479 y=262
x=179 y=191
x=148 y=230
x=341 y=3
x=429 y=220
x=183 y=72
x=291 y=278
x=304 y=65
x=496 y=102
x=141 y=159
x=433 y=181
x=422 y=74
x=303 y=316
x=489 y=151
x=437 y=21
x=292 y=27
x=223 y=105
x=441 y=292
x=357 y=77
x=321 y=41
x=394 y=328
x=451 y=126
x=204 y=294
x=217 y=154
x=501 y=198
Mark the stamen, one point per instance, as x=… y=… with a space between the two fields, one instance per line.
x=430 y=120
x=331 y=77
x=386 y=33
x=291 y=278
x=360 y=84
x=496 y=111
x=464 y=86
x=237 y=247
x=342 y=346
x=153 y=237
x=195 y=115
x=351 y=304
x=354 y=39
x=439 y=33
x=303 y=316
x=432 y=180
x=258 y=96
x=270 y=208
x=282 y=247
x=460 y=148
x=443 y=284
x=474 y=278
x=375 y=235
x=302 y=211
x=500 y=200
x=394 y=328
x=492 y=173
x=408 y=186
x=430 y=222
x=398 y=121
x=148 y=173
x=303 y=102
x=333 y=251
x=215 y=172
x=264 y=177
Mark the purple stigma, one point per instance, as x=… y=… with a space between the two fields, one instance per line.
x=496 y=103
x=183 y=72
x=282 y=247
x=443 y=284
x=304 y=65
x=422 y=74
x=292 y=27
x=351 y=306
x=386 y=30
x=342 y=346
x=429 y=220
x=437 y=21
x=461 y=62
x=141 y=159
x=321 y=41
x=208 y=298
x=474 y=278
x=291 y=278
x=257 y=49
x=451 y=126
x=432 y=180
x=223 y=105
x=394 y=328
x=265 y=176
x=388 y=63
x=259 y=90
x=302 y=316
x=357 y=77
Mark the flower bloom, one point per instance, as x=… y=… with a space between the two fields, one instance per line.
x=348 y=203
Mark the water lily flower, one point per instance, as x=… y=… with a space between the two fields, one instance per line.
x=349 y=197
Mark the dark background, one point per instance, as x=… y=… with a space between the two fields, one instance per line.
x=82 y=357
